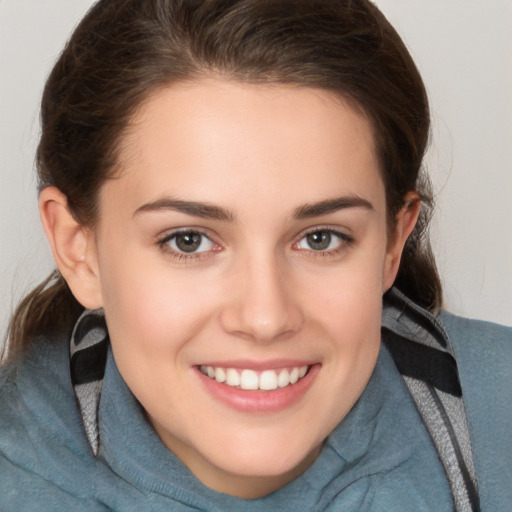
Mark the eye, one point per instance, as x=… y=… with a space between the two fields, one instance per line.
x=188 y=242
x=323 y=240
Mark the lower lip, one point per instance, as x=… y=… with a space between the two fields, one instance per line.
x=260 y=401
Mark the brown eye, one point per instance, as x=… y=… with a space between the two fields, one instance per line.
x=189 y=242
x=319 y=240
x=324 y=240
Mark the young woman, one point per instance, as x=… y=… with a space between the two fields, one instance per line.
x=246 y=313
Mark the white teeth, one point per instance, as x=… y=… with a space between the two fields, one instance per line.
x=284 y=379
x=232 y=377
x=249 y=379
x=220 y=375
x=267 y=380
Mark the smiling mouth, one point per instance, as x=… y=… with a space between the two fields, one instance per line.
x=250 y=380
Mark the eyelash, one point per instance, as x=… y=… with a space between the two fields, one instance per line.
x=345 y=241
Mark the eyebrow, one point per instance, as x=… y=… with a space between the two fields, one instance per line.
x=330 y=206
x=209 y=211
x=197 y=209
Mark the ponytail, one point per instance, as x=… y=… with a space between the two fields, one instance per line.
x=50 y=308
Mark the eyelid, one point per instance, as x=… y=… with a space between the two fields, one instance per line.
x=344 y=233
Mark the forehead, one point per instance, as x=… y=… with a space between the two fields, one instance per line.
x=259 y=139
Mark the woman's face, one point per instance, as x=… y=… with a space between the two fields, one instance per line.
x=242 y=255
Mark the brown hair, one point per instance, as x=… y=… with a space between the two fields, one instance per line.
x=123 y=50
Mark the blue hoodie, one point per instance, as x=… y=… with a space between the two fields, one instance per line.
x=379 y=458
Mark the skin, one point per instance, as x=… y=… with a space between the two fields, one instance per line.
x=256 y=291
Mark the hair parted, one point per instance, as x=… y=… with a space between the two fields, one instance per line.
x=124 y=50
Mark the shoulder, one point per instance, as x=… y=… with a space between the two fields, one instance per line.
x=469 y=331
x=37 y=388
x=483 y=352
x=41 y=437
x=483 y=349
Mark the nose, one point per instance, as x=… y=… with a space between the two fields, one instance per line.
x=262 y=306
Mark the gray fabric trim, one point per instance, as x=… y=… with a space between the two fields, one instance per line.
x=88 y=397
x=93 y=336
x=446 y=446
x=88 y=394
x=457 y=414
x=397 y=317
x=443 y=414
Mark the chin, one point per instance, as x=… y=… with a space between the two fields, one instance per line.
x=269 y=458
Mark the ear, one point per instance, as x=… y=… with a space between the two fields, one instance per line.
x=73 y=247
x=405 y=221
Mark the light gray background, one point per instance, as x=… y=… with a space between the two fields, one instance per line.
x=464 y=51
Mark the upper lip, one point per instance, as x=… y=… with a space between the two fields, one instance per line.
x=243 y=364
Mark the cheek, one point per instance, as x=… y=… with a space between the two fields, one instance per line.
x=351 y=293
x=353 y=320
x=148 y=304
x=348 y=309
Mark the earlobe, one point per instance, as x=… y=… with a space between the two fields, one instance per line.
x=73 y=247
x=405 y=221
